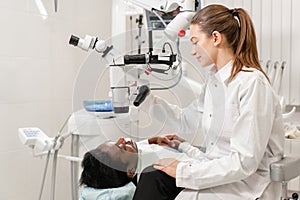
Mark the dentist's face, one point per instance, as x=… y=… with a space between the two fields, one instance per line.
x=203 y=48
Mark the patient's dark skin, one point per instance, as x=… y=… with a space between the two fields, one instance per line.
x=110 y=165
x=113 y=164
x=125 y=150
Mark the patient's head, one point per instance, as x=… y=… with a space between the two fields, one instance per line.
x=110 y=165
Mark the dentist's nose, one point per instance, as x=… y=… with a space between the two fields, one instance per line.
x=193 y=51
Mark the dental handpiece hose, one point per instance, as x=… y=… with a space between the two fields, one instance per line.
x=143 y=92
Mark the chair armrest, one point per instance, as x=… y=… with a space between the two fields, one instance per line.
x=285 y=169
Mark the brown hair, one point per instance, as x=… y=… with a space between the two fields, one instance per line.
x=236 y=25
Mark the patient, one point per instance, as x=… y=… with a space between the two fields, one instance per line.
x=115 y=165
x=110 y=165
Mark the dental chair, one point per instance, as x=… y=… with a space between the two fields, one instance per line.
x=283 y=171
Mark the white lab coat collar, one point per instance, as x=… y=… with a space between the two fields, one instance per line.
x=223 y=74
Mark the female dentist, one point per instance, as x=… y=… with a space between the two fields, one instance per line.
x=241 y=120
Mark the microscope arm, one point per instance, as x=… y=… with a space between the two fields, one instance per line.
x=165 y=5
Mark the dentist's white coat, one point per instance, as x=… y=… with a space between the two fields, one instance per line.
x=243 y=128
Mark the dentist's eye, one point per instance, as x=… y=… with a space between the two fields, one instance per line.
x=194 y=43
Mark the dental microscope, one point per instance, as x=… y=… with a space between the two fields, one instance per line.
x=134 y=65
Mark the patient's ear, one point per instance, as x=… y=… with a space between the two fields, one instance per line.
x=130 y=172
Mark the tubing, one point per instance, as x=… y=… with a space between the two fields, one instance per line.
x=44 y=176
x=53 y=175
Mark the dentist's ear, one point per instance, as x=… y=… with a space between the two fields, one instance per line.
x=217 y=38
x=131 y=172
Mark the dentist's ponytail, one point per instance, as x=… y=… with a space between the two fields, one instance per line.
x=236 y=25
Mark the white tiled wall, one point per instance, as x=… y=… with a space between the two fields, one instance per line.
x=37 y=72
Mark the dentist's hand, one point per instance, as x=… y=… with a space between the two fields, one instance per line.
x=167 y=165
x=175 y=142
x=161 y=140
x=167 y=140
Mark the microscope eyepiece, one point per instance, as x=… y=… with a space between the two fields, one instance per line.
x=74 y=40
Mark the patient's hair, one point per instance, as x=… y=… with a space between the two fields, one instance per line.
x=100 y=171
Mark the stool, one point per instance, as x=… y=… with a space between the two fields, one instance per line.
x=283 y=171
